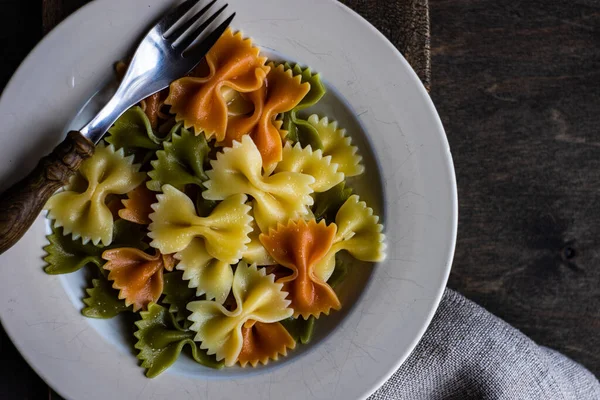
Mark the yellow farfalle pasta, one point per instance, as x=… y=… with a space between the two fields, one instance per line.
x=256 y=252
x=264 y=342
x=206 y=274
x=175 y=224
x=257 y=297
x=233 y=62
x=359 y=233
x=309 y=162
x=338 y=145
x=81 y=208
x=277 y=197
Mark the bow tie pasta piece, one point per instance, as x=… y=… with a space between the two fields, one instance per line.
x=256 y=252
x=317 y=89
x=339 y=274
x=300 y=329
x=138 y=275
x=284 y=92
x=359 y=233
x=180 y=163
x=299 y=130
x=328 y=203
x=133 y=131
x=244 y=124
x=177 y=295
x=161 y=339
x=138 y=205
x=338 y=145
x=233 y=62
x=207 y=274
x=277 y=197
x=152 y=106
x=237 y=103
x=175 y=224
x=309 y=162
x=103 y=300
x=64 y=255
x=264 y=342
x=257 y=297
x=298 y=247
x=81 y=208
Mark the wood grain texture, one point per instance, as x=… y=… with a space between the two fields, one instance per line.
x=21 y=204
x=517 y=85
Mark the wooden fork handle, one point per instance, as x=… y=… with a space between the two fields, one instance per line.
x=21 y=203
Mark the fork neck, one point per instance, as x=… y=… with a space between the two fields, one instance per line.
x=100 y=124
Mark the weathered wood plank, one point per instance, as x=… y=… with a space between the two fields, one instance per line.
x=517 y=87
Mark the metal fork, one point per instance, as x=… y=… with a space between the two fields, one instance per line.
x=172 y=48
x=162 y=57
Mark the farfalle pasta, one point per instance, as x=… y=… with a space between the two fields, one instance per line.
x=234 y=63
x=180 y=162
x=257 y=298
x=277 y=197
x=218 y=215
x=284 y=91
x=299 y=130
x=132 y=132
x=299 y=247
x=138 y=205
x=264 y=342
x=358 y=233
x=338 y=145
x=205 y=273
x=137 y=275
x=309 y=162
x=255 y=251
x=81 y=209
x=175 y=224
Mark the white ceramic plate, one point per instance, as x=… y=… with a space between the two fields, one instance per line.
x=409 y=181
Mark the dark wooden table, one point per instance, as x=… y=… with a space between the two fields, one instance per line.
x=517 y=85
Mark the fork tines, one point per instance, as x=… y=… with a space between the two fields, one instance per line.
x=182 y=27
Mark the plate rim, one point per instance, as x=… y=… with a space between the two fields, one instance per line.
x=454 y=186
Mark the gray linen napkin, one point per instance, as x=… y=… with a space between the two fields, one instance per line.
x=468 y=353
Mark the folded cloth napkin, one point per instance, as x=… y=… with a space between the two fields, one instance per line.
x=468 y=353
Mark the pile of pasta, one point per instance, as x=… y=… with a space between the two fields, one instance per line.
x=214 y=214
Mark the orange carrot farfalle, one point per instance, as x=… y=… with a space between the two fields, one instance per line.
x=281 y=93
x=264 y=342
x=284 y=92
x=233 y=62
x=138 y=275
x=138 y=205
x=299 y=246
